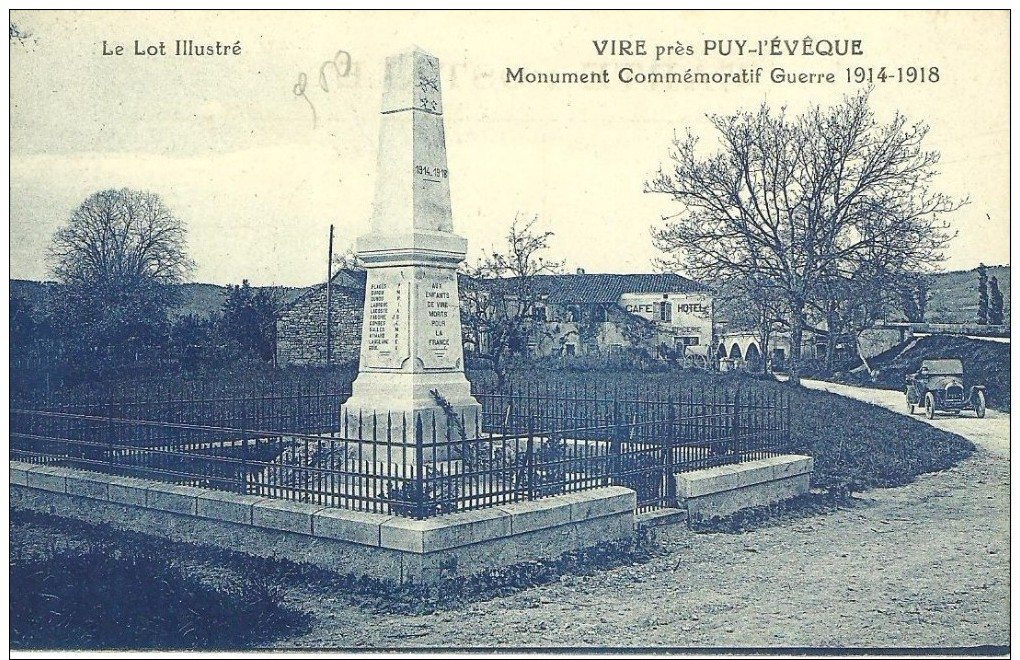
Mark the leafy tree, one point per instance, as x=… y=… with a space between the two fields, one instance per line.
x=195 y=341
x=806 y=204
x=23 y=325
x=995 y=304
x=982 y=294
x=500 y=296
x=249 y=319
x=118 y=258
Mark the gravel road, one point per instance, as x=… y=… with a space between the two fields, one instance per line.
x=922 y=566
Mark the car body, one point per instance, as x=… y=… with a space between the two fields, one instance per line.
x=938 y=386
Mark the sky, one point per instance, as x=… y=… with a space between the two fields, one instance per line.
x=258 y=179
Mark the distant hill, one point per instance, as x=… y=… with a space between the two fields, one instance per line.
x=955 y=295
x=200 y=300
x=34 y=293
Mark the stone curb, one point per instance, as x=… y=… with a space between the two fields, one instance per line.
x=363 y=528
x=733 y=477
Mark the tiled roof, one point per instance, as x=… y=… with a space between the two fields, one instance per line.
x=345 y=278
x=350 y=277
x=604 y=287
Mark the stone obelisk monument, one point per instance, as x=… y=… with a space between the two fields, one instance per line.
x=411 y=336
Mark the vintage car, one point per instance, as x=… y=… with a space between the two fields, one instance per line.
x=938 y=386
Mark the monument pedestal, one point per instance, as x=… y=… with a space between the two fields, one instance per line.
x=412 y=358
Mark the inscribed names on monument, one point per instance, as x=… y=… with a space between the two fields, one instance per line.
x=386 y=345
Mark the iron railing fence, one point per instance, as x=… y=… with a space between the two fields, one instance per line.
x=748 y=422
x=299 y=410
x=295 y=405
x=536 y=444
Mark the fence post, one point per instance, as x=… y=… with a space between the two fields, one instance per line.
x=670 y=443
x=419 y=468
x=531 y=457
x=242 y=486
x=109 y=433
x=616 y=441
x=736 y=425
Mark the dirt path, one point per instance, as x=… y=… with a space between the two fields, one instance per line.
x=926 y=565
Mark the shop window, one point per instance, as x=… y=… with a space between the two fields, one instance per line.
x=687 y=341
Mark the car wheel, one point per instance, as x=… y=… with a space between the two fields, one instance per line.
x=979 y=404
x=929 y=405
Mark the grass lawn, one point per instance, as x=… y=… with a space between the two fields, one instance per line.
x=855 y=445
x=78 y=586
x=82 y=586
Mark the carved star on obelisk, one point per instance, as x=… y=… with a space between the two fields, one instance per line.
x=428 y=86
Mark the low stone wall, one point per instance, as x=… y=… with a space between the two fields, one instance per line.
x=723 y=490
x=384 y=547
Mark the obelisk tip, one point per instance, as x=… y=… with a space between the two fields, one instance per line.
x=412 y=82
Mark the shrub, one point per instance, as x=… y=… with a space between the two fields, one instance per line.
x=92 y=598
x=433 y=495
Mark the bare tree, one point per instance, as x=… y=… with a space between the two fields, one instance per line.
x=749 y=303
x=348 y=259
x=797 y=202
x=850 y=305
x=914 y=290
x=118 y=258
x=500 y=295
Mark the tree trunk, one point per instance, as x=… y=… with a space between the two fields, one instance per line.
x=830 y=351
x=766 y=360
x=832 y=327
x=796 y=336
x=864 y=360
x=497 y=367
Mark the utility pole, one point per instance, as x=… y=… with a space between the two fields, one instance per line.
x=329 y=302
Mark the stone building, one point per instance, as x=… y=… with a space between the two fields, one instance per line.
x=301 y=327
x=602 y=314
x=579 y=314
